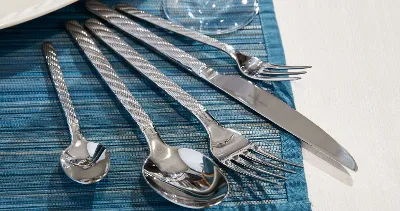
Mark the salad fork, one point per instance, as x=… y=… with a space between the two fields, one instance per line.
x=250 y=66
x=227 y=146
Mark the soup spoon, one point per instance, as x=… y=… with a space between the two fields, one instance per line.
x=83 y=161
x=183 y=176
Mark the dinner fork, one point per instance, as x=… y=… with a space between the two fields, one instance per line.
x=250 y=66
x=227 y=146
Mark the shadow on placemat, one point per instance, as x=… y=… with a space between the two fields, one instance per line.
x=75 y=194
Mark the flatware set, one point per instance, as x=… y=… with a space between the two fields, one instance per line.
x=183 y=176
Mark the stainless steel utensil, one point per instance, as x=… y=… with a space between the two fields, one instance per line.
x=250 y=66
x=257 y=99
x=228 y=146
x=83 y=161
x=183 y=176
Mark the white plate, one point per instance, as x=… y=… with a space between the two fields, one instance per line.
x=18 y=11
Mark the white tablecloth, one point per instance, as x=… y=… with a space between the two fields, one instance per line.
x=352 y=92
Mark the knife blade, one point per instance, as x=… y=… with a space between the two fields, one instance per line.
x=257 y=99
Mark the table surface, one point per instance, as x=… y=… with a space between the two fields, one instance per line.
x=351 y=92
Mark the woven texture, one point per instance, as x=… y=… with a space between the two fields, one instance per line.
x=33 y=129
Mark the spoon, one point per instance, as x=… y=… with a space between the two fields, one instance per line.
x=83 y=161
x=183 y=176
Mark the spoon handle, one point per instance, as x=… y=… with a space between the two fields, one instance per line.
x=62 y=91
x=109 y=75
x=147 y=69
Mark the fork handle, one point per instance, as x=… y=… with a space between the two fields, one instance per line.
x=139 y=32
x=62 y=91
x=165 y=24
x=148 y=70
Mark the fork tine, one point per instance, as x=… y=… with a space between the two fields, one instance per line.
x=247 y=164
x=285 y=67
x=243 y=171
x=258 y=160
x=258 y=150
x=269 y=78
x=270 y=72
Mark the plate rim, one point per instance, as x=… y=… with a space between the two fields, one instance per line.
x=39 y=13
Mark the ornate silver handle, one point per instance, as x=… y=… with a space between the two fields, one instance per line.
x=148 y=70
x=61 y=87
x=147 y=37
x=163 y=23
x=108 y=74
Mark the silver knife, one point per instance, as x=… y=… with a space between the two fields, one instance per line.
x=242 y=90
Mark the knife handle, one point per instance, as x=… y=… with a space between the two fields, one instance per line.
x=147 y=69
x=163 y=23
x=137 y=31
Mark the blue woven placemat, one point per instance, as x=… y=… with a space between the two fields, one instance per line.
x=33 y=130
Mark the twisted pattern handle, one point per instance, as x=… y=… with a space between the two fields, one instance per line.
x=146 y=36
x=108 y=74
x=143 y=66
x=163 y=23
x=62 y=91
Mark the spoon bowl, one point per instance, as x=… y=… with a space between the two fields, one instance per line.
x=85 y=162
x=198 y=184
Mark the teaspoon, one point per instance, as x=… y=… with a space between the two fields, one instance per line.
x=83 y=161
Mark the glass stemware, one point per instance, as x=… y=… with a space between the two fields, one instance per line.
x=211 y=16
